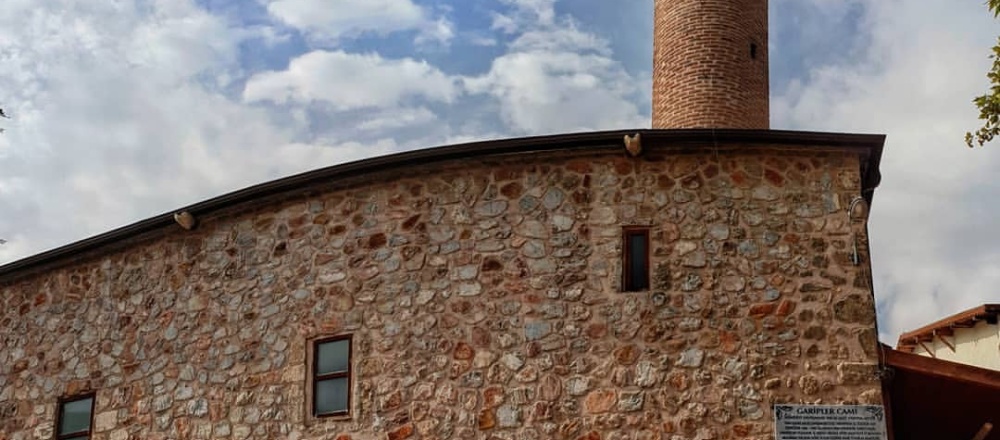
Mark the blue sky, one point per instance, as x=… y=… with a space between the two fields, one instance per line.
x=127 y=109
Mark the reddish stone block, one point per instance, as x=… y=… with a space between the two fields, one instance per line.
x=729 y=341
x=689 y=424
x=322 y=219
x=597 y=331
x=600 y=401
x=569 y=428
x=739 y=178
x=627 y=355
x=592 y=435
x=761 y=309
x=711 y=171
x=322 y=259
x=393 y=401
x=297 y=221
x=402 y=432
x=742 y=430
x=487 y=420
x=410 y=222
x=377 y=240
x=773 y=177
x=493 y=396
x=491 y=264
x=623 y=166
x=579 y=166
x=512 y=190
x=461 y=307
x=396 y=200
x=679 y=381
x=664 y=181
x=675 y=345
x=785 y=308
x=669 y=428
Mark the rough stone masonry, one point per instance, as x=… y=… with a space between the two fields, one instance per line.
x=484 y=300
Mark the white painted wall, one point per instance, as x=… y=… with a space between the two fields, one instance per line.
x=979 y=346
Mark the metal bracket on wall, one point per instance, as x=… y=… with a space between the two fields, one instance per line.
x=855 y=257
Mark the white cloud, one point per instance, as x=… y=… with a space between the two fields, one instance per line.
x=556 y=78
x=438 y=32
x=566 y=38
x=548 y=92
x=477 y=40
x=530 y=12
x=330 y=21
x=504 y=23
x=118 y=117
x=396 y=118
x=349 y=81
x=933 y=229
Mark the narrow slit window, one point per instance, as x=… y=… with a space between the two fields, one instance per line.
x=331 y=384
x=636 y=259
x=75 y=418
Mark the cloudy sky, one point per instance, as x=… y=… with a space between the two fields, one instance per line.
x=125 y=109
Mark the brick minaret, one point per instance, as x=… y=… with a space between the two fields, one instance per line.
x=710 y=64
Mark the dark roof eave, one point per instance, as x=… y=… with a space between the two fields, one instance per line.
x=949 y=370
x=867 y=145
x=985 y=311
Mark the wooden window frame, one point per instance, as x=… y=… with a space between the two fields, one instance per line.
x=627 y=263
x=315 y=378
x=89 y=433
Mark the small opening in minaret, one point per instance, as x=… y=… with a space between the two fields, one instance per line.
x=753 y=51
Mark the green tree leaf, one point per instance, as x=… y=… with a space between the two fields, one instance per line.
x=989 y=103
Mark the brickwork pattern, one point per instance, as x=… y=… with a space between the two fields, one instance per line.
x=484 y=301
x=703 y=73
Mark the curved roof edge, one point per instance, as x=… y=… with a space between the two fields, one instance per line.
x=868 y=145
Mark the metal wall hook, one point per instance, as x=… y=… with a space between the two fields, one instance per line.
x=854 y=204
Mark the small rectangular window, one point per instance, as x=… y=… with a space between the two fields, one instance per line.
x=331 y=384
x=635 y=263
x=75 y=417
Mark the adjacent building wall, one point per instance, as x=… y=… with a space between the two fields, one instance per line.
x=484 y=299
x=979 y=346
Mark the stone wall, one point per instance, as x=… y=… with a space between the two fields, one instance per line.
x=483 y=296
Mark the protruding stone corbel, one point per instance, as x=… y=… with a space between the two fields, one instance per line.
x=185 y=219
x=633 y=144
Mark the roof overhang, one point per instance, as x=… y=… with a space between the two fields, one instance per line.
x=935 y=399
x=946 y=327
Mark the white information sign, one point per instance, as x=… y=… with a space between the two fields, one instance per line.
x=829 y=422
